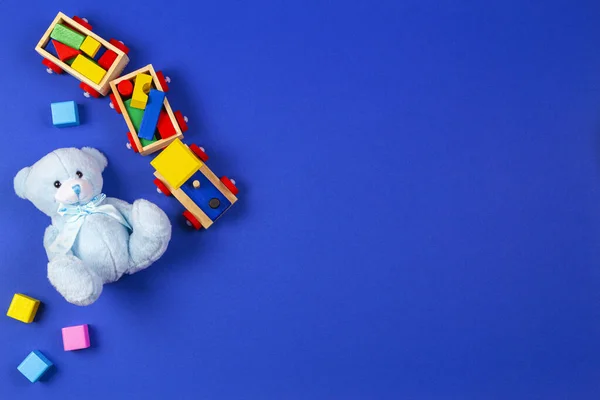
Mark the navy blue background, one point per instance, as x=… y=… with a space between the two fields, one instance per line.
x=419 y=214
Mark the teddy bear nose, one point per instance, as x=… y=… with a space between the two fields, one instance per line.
x=76 y=189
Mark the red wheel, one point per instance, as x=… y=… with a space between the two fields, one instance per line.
x=89 y=90
x=181 y=121
x=192 y=220
x=114 y=104
x=52 y=67
x=163 y=81
x=162 y=187
x=119 y=45
x=132 y=143
x=230 y=185
x=199 y=152
x=82 y=22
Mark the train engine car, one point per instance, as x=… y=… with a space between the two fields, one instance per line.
x=181 y=171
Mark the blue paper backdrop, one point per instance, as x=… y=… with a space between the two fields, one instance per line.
x=419 y=213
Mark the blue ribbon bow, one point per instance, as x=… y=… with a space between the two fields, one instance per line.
x=75 y=216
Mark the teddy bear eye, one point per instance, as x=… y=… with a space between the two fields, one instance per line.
x=79 y=174
x=57 y=184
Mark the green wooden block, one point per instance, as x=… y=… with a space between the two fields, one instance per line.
x=145 y=142
x=67 y=36
x=135 y=114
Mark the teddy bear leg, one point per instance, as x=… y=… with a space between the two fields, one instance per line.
x=74 y=281
x=150 y=237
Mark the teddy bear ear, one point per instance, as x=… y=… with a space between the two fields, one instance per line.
x=20 y=182
x=96 y=155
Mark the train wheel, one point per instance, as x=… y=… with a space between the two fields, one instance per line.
x=88 y=90
x=199 y=152
x=181 y=120
x=191 y=220
x=131 y=144
x=163 y=81
x=161 y=187
x=52 y=68
x=119 y=45
x=230 y=184
x=83 y=22
x=113 y=104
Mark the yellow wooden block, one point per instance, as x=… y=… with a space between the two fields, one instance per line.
x=88 y=68
x=176 y=163
x=23 y=308
x=142 y=86
x=90 y=46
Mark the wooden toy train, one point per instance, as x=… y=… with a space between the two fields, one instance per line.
x=140 y=97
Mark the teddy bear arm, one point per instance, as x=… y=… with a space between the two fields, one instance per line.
x=122 y=206
x=49 y=236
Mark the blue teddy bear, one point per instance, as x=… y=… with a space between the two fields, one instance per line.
x=93 y=239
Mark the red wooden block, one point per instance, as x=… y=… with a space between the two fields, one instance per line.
x=165 y=126
x=107 y=59
x=64 y=52
x=125 y=88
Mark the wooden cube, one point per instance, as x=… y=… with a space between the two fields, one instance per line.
x=76 y=337
x=177 y=163
x=23 y=308
x=34 y=366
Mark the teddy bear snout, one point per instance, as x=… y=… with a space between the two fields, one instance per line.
x=74 y=191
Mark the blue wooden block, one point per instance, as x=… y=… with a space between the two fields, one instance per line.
x=206 y=196
x=34 y=366
x=65 y=114
x=151 y=114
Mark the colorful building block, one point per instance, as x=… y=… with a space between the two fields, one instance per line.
x=165 y=125
x=90 y=46
x=107 y=59
x=64 y=52
x=135 y=114
x=88 y=68
x=156 y=99
x=125 y=88
x=145 y=142
x=67 y=36
x=76 y=337
x=34 y=366
x=65 y=114
x=23 y=308
x=142 y=86
x=176 y=164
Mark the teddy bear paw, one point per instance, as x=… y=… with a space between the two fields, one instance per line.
x=150 y=220
x=77 y=284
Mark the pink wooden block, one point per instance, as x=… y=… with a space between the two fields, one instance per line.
x=76 y=337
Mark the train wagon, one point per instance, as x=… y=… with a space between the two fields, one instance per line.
x=70 y=45
x=181 y=171
x=141 y=98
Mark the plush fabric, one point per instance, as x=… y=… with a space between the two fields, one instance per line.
x=105 y=237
